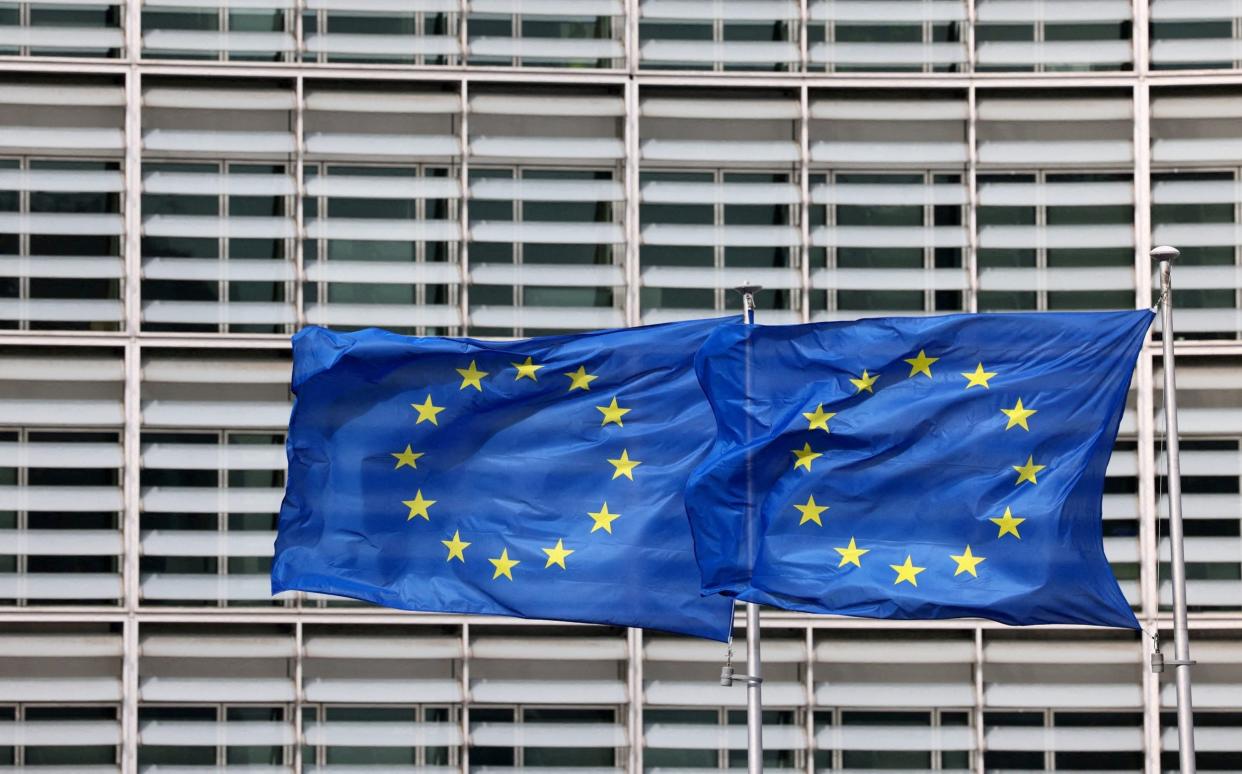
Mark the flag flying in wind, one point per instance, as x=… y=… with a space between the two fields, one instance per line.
x=540 y=478
x=916 y=468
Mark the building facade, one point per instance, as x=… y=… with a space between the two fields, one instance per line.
x=184 y=184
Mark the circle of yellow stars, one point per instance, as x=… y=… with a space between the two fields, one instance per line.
x=966 y=562
x=623 y=466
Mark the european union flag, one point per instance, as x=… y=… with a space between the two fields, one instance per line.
x=916 y=468
x=540 y=478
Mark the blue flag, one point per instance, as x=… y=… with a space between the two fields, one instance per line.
x=541 y=478
x=916 y=468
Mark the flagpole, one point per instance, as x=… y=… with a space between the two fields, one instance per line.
x=1181 y=631
x=754 y=665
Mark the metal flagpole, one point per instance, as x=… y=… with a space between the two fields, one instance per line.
x=754 y=668
x=1181 y=633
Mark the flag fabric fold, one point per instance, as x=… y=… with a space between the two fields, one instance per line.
x=541 y=478
x=916 y=468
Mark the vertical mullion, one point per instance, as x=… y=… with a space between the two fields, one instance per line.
x=1142 y=194
x=633 y=49
x=634 y=679
x=969 y=38
x=463 y=208
x=299 y=695
x=464 y=758
x=1145 y=420
x=131 y=436
x=299 y=37
x=804 y=18
x=463 y=41
x=1140 y=36
x=133 y=30
x=299 y=192
x=130 y=541
x=971 y=301
x=23 y=248
x=633 y=270
x=809 y=697
x=132 y=201
x=804 y=192
x=977 y=710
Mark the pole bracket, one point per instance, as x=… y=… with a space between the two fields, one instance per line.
x=1159 y=662
x=729 y=677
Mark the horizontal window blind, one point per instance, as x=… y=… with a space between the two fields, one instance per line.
x=546 y=33
x=212 y=478
x=90 y=28
x=60 y=477
x=898 y=35
x=735 y=34
x=200 y=29
x=382 y=31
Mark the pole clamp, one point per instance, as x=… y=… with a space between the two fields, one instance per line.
x=728 y=677
x=1159 y=662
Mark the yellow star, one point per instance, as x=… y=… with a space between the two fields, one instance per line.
x=457 y=547
x=1017 y=415
x=470 y=377
x=557 y=554
x=526 y=370
x=864 y=382
x=504 y=565
x=805 y=457
x=851 y=554
x=624 y=466
x=603 y=519
x=967 y=562
x=407 y=457
x=979 y=377
x=819 y=418
x=418 y=506
x=1027 y=472
x=581 y=379
x=921 y=364
x=613 y=413
x=810 y=511
x=907 y=572
x=1008 y=524
x=427 y=411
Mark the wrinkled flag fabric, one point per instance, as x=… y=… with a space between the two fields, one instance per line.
x=916 y=468
x=541 y=478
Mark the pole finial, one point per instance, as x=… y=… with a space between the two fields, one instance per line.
x=748 y=292
x=1165 y=253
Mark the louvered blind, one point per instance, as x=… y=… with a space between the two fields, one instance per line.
x=382 y=218
x=212 y=476
x=385 y=666
x=255 y=30
x=61 y=227
x=888 y=229
x=1055 y=239
x=901 y=35
x=542 y=33
x=1194 y=202
x=715 y=213
x=227 y=664
x=46 y=663
x=731 y=34
x=1208 y=397
x=546 y=243
x=1052 y=35
x=83 y=28
x=1195 y=34
x=420 y=32
x=1095 y=673
x=60 y=479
